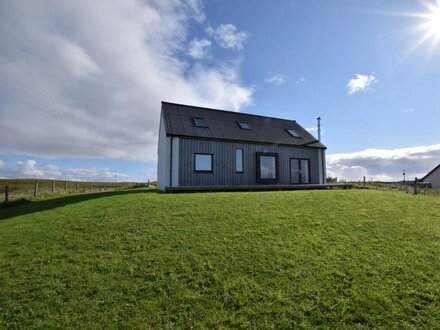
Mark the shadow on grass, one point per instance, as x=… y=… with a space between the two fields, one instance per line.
x=28 y=207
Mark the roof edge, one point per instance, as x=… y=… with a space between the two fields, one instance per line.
x=432 y=171
x=307 y=145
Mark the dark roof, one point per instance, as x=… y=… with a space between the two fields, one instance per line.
x=435 y=168
x=223 y=125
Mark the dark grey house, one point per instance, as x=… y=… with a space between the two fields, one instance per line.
x=433 y=177
x=207 y=148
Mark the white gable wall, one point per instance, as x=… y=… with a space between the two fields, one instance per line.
x=163 y=157
x=166 y=144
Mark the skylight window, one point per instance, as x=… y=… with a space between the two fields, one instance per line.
x=293 y=133
x=200 y=122
x=244 y=125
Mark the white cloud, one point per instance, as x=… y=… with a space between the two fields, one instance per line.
x=85 y=79
x=30 y=169
x=199 y=48
x=312 y=130
x=277 y=79
x=361 y=83
x=301 y=80
x=408 y=110
x=384 y=164
x=227 y=36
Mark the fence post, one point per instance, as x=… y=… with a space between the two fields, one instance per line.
x=415 y=186
x=36 y=188
x=364 y=182
x=53 y=187
x=76 y=186
x=6 y=195
x=65 y=185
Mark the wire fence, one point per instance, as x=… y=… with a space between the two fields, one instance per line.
x=408 y=187
x=12 y=191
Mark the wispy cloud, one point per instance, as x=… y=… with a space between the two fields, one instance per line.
x=277 y=79
x=360 y=83
x=70 y=90
x=227 y=36
x=301 y=80
x=384 y=164
x=199 y=48
x=408 y=110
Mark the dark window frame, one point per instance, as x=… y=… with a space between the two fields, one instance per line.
x=296 y=135
x=194 y=120
x=258 y=167
x=299 y=167
x=240 y=124
x=242 y=160
x=212 y=162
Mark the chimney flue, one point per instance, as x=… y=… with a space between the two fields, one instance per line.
x=319 y=128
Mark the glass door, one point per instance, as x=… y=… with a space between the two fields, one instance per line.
x=299 y=171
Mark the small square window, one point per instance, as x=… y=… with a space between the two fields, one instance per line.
x=200 y=122
x=244 y=125
x=293 y=133
x=203 y=162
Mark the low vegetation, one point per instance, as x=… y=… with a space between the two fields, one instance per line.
x=296 y=259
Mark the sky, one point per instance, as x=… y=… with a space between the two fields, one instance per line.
x=81 y=81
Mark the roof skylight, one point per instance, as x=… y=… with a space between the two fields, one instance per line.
x=200 y=122
x=244 y=125
x=293 y=133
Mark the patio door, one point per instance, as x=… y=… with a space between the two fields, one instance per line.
x=299 y=171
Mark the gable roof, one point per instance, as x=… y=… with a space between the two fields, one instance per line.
x=223 y=125
x=435 y=168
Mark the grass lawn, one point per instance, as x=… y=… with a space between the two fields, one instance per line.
x=303 y=259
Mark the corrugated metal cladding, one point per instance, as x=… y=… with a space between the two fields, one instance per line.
x=224 y=162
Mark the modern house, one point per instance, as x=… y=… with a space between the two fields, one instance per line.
x=433 y=177
x=208 y=149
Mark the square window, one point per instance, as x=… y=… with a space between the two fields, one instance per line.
x=203 y=162
x=200 y=122
x=267 y=167
x=244 y=125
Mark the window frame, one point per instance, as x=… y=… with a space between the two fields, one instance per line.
x=194 y=120
x=203 y=171
x=309 y=167
x=296 y=135
x=258 y=167
x=242 y=160
x=239 y=123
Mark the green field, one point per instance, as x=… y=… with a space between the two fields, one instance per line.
x=301 y=259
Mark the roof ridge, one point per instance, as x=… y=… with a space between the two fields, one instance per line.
x=228 y=111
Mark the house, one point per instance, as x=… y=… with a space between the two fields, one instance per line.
x=207 y=148
x=433 y=177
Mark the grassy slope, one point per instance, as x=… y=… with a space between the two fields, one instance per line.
x=268 y=259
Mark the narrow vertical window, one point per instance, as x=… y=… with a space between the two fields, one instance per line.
x=239 y=160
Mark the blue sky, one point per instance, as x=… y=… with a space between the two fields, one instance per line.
x=81 y=83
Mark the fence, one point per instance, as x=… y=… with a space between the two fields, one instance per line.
x=410 y=187
x=14 y=190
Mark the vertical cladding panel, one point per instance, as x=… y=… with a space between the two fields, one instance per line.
x=224 y=162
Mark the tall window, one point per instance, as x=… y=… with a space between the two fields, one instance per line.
x=267 y=167
x=202 y=162
x=239 y=160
